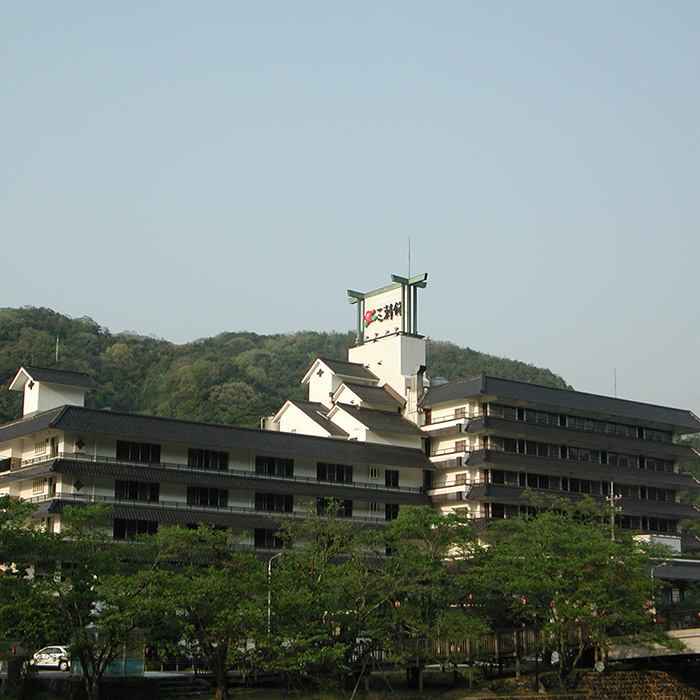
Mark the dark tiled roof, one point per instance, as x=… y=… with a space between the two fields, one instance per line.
x=678 y=572
x=373 y=394
x=669 y=509
x=27 y=473
x=60 y=376
x=681 y=420
x=153 y=428
x=382 y=421
x=348 y=369
x=242 y=482
x=317 y=412
x=185 y=516
x=690 y=543
x=598 y=440
x=180 y=515
x=583 y=470
x=33 y=423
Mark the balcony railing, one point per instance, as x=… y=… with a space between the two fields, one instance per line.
x=451 y=450
x=77 y=456
x=457 y=415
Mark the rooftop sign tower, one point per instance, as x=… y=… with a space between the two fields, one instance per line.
x=388 y=343
x=390 y=310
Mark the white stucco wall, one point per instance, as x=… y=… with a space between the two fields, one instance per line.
x=393 y=359
x=292 y=419
x=39 y=396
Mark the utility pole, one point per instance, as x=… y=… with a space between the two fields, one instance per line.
x=613 y=498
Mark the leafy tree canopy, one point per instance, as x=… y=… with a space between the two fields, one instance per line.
x=563 y=568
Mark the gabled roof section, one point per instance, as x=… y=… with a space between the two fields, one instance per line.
x=317 y=412
x=153 y=428
x=341 y=368
x=381 y=421
x=375 y=395
x=49 y=375
x=682 y=421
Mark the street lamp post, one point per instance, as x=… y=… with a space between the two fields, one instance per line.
x=269 y=589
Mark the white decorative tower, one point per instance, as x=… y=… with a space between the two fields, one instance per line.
x=46 y=388
x=388 y=343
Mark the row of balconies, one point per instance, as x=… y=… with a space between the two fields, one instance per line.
x=483 y=491
x=477 y=423
x=466 y=415
x=18 y=464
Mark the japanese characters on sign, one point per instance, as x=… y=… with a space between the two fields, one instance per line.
x=390 y=310
x=384 y=313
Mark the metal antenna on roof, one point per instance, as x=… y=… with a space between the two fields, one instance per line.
x=409 y=257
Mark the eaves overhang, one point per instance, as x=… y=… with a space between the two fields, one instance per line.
x=134 y=426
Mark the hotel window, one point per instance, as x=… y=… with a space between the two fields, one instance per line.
x=267 y=539
x=274 y=502
x=532 y=416
x=375 y=473
x=658 y=525
x=332 y=506
x=207 y=459
x=38 y=486
x=658 y=435
x=138 y=452
x=205 y=496
x=460 y=479
x=274 y=466
x=40 y=447
x=391 y=511
x=654 y=494
x=621 y=460
x=339 y=473
x=391 y=477
x=509 y=412
x=660 y=465
x=128 y=529
x=136 y=490
x=373 y=507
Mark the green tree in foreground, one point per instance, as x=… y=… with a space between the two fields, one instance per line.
x=28 y=617
x=213 y=594
x=433 y=559
x=337 y=596
x=561 y=569
x=100 y=608
x=326 y=587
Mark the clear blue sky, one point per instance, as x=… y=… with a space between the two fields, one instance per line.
x=187 y=168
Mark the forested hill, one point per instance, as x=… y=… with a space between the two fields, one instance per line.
x=235 y=377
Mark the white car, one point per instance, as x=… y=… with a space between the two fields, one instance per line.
x=52 y=657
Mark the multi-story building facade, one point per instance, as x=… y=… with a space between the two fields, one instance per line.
x=155 y=470
x=491 y=439
x=374 y=435
x=495 y=442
